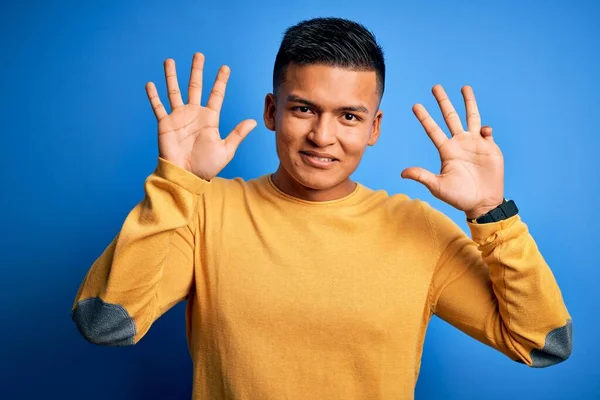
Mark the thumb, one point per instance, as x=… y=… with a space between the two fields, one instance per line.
x=239 y=133
x=422 y=176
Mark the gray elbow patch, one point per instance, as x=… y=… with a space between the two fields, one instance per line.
x=557 y=347
x=104 y=323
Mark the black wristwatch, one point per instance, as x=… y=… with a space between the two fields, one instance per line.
x=507 y=209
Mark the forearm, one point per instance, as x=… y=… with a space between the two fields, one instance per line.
x=530 y=302
x=147 y=268
x=498 y=289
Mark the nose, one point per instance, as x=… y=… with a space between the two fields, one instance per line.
x=323 y=132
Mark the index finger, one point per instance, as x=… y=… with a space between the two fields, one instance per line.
x=435 y=133
x=215 y=100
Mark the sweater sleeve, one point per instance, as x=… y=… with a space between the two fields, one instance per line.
x=149 y=265
x=497 y=288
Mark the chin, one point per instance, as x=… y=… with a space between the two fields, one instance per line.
x=316 y=179
x=317 y=184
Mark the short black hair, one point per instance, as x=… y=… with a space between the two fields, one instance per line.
x=335 y=42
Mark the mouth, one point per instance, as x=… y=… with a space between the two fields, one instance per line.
x=319 y=156
x=319 y=160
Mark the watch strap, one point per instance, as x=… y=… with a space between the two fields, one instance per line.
x=507 y=209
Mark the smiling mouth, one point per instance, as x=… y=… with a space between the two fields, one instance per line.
x=318 y=158
x=322 y=162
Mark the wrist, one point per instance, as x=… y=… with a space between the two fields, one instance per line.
x=505 y=210
x=481 y=211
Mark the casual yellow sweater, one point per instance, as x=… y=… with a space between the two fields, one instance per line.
x=291 y=299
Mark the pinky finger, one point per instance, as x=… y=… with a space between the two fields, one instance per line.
x=486 y=132
x=157 y=107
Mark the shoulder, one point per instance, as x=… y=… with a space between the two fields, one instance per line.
x=234 y=188
x=396 y=205
x=408 y=210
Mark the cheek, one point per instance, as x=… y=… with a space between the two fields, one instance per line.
x=354 y=141
x=292 y=131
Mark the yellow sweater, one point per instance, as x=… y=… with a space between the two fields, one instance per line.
x=291 y=299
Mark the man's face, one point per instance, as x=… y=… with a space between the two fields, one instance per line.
x=324 y=117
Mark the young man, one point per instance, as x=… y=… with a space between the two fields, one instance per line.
x=304 y=284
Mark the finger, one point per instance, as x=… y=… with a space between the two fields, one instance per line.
x=430 y=180
x=157 y=107
x=215 y=100
x=172 y=85
x=448 y=111
x=239 y=133
x=195 y=85
x=473 y=118
x=437 y=136
x=486 y=132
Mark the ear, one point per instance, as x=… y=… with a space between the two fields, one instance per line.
x=269 y=112
x=375 y=129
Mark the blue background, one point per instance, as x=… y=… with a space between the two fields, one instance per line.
x=79 y=138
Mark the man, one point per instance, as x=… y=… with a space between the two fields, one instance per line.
x=304 y=284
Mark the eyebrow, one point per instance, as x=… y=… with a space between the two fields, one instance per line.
x=355 y=108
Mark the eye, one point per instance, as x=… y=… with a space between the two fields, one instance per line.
x=350 y=117
x=302 y=109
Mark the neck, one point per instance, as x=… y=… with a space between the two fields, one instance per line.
x=287 y=184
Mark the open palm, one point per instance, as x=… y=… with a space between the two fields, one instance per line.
x=472 y=171
x=189 y=137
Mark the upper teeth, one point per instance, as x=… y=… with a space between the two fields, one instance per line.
x=322 y=158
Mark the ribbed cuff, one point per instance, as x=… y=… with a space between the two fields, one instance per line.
x=486 y=233
x=181 y=177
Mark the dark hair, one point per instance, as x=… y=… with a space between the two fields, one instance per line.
x=335 y=42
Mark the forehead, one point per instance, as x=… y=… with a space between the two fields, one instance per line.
x=330 y=86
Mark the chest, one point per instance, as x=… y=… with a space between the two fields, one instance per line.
x=335 y=277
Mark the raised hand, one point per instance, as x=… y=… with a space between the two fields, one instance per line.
x=472 y=173
x=189 y=136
